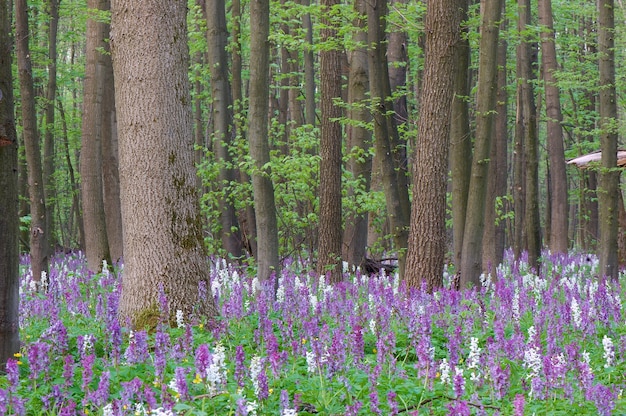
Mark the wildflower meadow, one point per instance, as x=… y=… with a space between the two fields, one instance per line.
x=521 y=344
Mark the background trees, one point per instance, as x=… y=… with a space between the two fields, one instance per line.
x=258 y=129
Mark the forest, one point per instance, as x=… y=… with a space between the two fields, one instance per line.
x=296 y=207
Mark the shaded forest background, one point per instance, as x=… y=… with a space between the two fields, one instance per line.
x=366 y=63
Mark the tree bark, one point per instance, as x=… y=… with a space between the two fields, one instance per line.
x=608 y=179
x=309 y=69
x=427 y=239
x=217 y=42
x=163 y=242
x=358 y=140
x=38 y=236
x=264 y=203
x=330 y=218
x=393 y=173
x=558 y=178
x=96 y=240
x=471 y=257
x=9 y=221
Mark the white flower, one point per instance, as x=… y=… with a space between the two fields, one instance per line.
x=373 y=326
x=586 y=357
x=289 y=412
x=256 y=366
x=531 y=333
x=576 y=315
x=280 y=293
x=444 y=367
x=180 y=320
x=311 y=367
x=251 y=407
x=532 y=361
x=87 y=344
x=474 y=354
x=515 y=306
x=107 y=410
x=609 y=353
x=216 y=372
x=313 y=301
x=161 y=412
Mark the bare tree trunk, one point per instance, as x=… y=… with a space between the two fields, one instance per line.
x=217 y=40
x=330 y=228
x=358 y=141
x=163 y=244
x=471 y=257
x=49 y=139
x=38 y=236
x=608 y=179
x=393 y=173
x=558 y=178
x=460 y=142
x=309 y=69
x=427 y=240
x=264 y=203
x=9 y=221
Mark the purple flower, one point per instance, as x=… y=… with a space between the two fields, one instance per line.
x=393 y=403
x=203 y=359
x=101 y=395
x=459 y=408
x=180 y=377
x=13 y=374
x=137 y=351
x=240 y=366
x=242 y=407
x=87 y=364
x=604 y=399
x=353 y=409
x=374 y=403
x=161 y=346
x=458 y=382
x=68 y=370
x=38 y=359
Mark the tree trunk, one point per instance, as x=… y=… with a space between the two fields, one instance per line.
x=309 y=69
x=217 y=42
x=96 y=240
x=38 y=236
x=163 y=242
x=427 y=240
x=471 y=257
x=330 y=219
x=558 y=178
x=264 y=203
x=358 y=140
x=393 y=173
x=49 y=139
x=9 y=221
x=608 y=179
x=494 y=235
x=460 y=141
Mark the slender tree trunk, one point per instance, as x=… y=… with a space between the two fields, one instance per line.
x=358 y=141
x=49 y=139
x=393 y=173
x=558 y=178
x=330 y=228
x=9 y=221
x=494 y=236
x=427 y=240
x=163 y=243
x=96 y=240
x=217 y=41
x=264 y=203
x=309 y=69
x=608 y=179
x=460 y=141
x=38 y=236
x=471 y=257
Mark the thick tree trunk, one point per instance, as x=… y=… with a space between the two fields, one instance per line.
x=358 y=140
x=330 y=219
x=471 y=257
x=96 y=240
x=38 y=236
x=217 y=42
x=264 y=203
x=163 y=242
x=558 y=178
x=427 y=240
x=9 y=221
x=608 y=179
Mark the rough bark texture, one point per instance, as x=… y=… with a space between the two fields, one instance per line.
x=38 y=236
x=96 y=241
x=471 y=257
x=608 y=178
x=330 y=228
x=393 y=171
x=358 y=142
x=264 y=203
x=309 y=69
x=9 y=222
x=427 y=239
x=460 y=142
x=163 y=243
x=558 y=179
x=222 y=117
